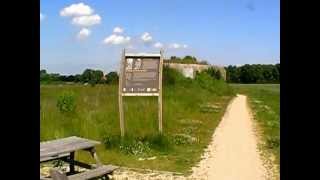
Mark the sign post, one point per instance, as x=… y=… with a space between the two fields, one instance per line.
x=140 y=75
x=121 y=114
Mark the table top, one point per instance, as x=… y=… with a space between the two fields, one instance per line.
x=57 y=147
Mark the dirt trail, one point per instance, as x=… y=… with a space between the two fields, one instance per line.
x=233 y=153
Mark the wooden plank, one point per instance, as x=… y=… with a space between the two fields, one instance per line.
x=78 y=163
x=121 y=114
x=53 y=149
x=59 y=156
x=90 y=174
x=160 y=92
x=94 y=173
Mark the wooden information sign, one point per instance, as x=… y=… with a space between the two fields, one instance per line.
x=140 y=75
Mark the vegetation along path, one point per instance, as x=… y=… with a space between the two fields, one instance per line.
x=233 y=152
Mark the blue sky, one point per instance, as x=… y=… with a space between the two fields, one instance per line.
x=75 y=35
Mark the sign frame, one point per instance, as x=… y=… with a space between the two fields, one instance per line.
x=121 y=94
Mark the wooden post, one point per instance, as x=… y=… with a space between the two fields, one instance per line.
x=160 y=92
x=71 y=165
x=95 y=156
x=121 y=115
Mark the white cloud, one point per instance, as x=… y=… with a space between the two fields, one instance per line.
x=42 y=16
x=118 y=30
x=177 y=46
x=79 y=9
x=158 y=45
x=87 y=20
x=146 y=37
x=174 y=46
x=84 y=33
x=116 y=39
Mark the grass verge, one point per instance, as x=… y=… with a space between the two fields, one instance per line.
x=191 y=111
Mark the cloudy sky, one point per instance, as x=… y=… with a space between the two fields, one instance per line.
x=75 y=35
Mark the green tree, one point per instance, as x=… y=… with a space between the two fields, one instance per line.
x=112 y=78
x=92 y=77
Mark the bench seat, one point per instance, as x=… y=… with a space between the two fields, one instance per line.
x=94 y=173
x=90 y=174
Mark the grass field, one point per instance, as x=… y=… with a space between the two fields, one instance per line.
x=190 y=115
x=264 y=100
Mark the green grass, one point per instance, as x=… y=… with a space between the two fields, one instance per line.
x=188 y=122
x=264 y=99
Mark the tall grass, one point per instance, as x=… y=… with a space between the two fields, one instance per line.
x=187 y=129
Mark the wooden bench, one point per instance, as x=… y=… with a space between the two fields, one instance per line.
x=101 y=171
x=64 y=149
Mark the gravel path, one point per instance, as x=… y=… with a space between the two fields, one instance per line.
x=233 y=153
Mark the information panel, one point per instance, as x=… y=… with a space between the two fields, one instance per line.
x=141 y=74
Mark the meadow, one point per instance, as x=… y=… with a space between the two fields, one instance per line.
x=191 y=111
x=264 y=100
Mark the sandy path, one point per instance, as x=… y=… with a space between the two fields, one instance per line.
x=233 y=153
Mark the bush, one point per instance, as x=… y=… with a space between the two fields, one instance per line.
x=66 y=102
x=171 y=76
x=159 y=142
x=214 y=73
x=111 y=141
x=218 y=87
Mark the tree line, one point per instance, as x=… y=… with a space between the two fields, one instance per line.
x=185 y=60
x=255 y=73
x=89 y=76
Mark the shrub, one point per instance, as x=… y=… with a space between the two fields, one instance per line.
x=159 y=142
x=111 y=141
x=171 y=76
x=218 y=87
x=214 y=73
x=66 y=102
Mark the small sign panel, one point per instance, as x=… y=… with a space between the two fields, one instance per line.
x=140 y=74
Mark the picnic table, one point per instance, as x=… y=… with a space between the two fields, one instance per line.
x=64 y=149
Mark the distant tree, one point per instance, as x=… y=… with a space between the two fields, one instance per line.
x=44 y=76
x=86 y=76
x=77 y=78
x=92 y=77
x=189 y=60
x=255 y=73
x=112 y=78
x=204 y=62
x=70 y=78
